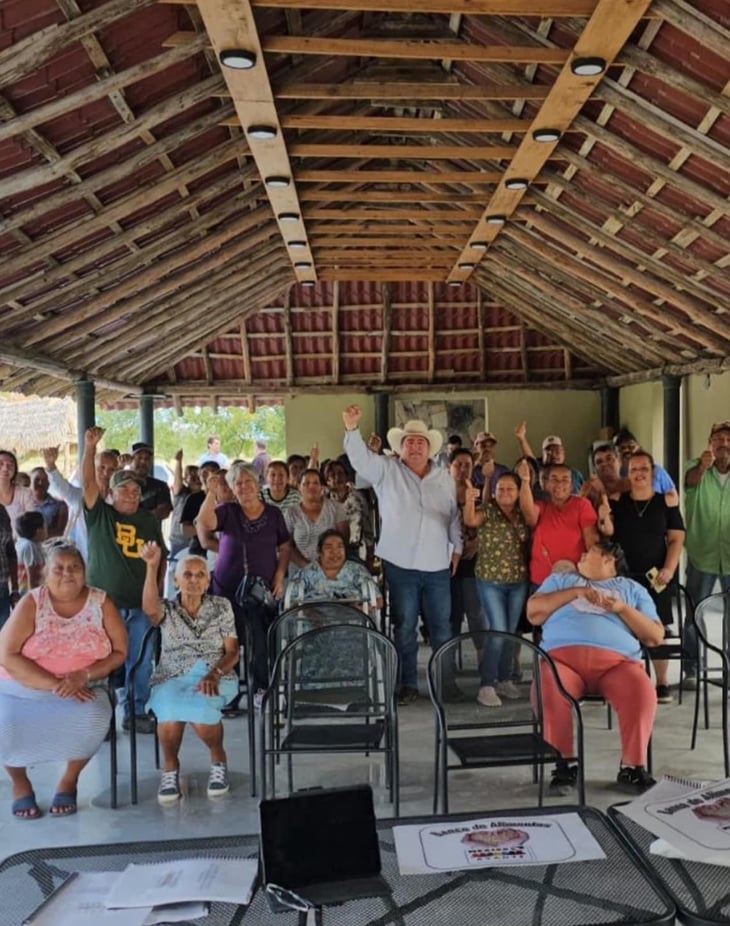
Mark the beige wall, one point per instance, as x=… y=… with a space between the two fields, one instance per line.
x=575 y=416
x=704 y=404
x=319 y=418
x=641 y=410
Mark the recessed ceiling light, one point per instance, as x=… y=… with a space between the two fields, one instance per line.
x=262 y=132
x=466 y=265
x=546 y=135
x=454 y=283
x=516 y=183
x=496 y=219
x=307 y=283
x=237 y=58
x=277 y=183
x=288 y=216
x=588 y=67
x=296 y=244
x=302 y=264
x=479 y=245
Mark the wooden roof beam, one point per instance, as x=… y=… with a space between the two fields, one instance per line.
x=405 y=90
x=605 y=34
x=231 y=24
x=399 y=176
x=26 y=359
x=567 y=8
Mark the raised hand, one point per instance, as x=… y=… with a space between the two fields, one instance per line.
x=604 y=509
x=523 y=470
x=179 y=456
x=151 y=553
x=472 y=493
x=521 y=431
x=314 y=456
x=707 y=458
x=351 y=417
x=93 y=436
x=50 y=455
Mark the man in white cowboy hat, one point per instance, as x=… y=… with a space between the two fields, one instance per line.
x=420 y=540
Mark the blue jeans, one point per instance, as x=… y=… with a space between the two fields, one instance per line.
x=502 y=604
x=699 y=585
x=137 y=624
x=413 y=592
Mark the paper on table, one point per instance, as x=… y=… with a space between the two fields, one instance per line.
x=663 y=848
x=494 y=841
x=695 y=819
x=81 y=903
x=177 y=912
x=227 y=880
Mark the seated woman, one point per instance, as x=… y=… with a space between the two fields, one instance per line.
x=194 y=678
x=594 y=622
x=308 y=520
x=333 y=576
x=61 y=641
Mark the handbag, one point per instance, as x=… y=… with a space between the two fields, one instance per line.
x=254 y=591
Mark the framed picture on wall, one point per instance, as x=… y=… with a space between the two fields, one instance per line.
x=465 y=417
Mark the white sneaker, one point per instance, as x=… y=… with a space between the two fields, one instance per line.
x=169 y=790
x=218 y=779
x=508 y=690
x=488 y=697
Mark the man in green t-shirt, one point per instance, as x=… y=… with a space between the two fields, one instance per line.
x=116 y=534
x=707 y=490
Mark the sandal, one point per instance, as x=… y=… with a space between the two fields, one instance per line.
x=63 y=804
x=26 y=808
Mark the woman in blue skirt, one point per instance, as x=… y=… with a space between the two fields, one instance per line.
x=194 y=677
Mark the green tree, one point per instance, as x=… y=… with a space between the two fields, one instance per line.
x=237 y=428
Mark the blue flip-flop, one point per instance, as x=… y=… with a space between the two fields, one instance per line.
x=63 y=804
x=22 y=804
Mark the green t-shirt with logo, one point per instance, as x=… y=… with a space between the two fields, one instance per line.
x=115 y=545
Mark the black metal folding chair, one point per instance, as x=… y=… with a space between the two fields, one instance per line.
x=712 y=622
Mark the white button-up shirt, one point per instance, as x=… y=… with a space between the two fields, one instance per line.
x=420 y=517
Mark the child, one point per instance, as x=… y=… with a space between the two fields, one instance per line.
x=31 y=530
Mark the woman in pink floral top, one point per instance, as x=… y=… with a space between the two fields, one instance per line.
x=502 y=579
x=60 y=643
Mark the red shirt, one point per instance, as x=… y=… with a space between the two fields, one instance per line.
x=559 y=535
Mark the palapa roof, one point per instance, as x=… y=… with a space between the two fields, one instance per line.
x=28 y=424
x=142 y=248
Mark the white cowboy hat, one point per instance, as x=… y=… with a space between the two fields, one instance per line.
x=417 y=429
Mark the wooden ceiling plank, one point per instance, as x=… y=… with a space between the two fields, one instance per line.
x=399 y=176
x=336 y=348
x=410 y=49
x=319 y=242
x=231 y=24
x=401 y=124
x=28 y=54
x=418 y=217
x=605 y=33
x=25 y=180
x=386 y=335
x=141 y=255
x=376 y=229
x=164 y=329
x=25 y=359
x=384 y=196
x=110 y=175
x=695 y=310
x=403 y=152
x=386 y=90
x=378 y=275
x=568 y=8
x=598 y=286
x=72 y=323
x=245 y=351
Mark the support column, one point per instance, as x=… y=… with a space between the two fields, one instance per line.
x=147 y=419
x=85 y=410
x=672 y=385
x=381 y=416
x=610 y=417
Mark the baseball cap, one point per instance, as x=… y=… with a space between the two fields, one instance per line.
x=123 y=475
x=552 y=440
x=141 y=445
x=719 y=426
x=485 y=435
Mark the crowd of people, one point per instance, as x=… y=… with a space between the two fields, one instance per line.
x=587 y=563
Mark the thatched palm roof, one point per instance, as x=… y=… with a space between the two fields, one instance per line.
x=28 y=424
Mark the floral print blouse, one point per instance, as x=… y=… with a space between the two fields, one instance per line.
x=502 y=556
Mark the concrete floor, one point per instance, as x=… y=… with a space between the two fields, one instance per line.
x=196 y=815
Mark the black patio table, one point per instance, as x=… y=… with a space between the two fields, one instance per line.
x=617 y=889
x=701 y=892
